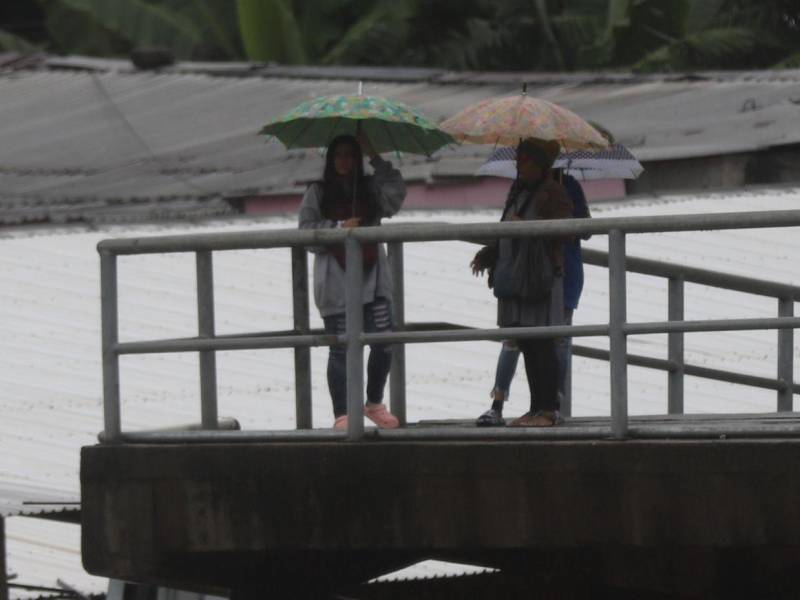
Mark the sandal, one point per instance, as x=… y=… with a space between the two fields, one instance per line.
x=491 y=418
x=540 y=418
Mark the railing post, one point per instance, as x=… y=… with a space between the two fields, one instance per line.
x=675 y=312
x=617 y=340
x=786 y=357
x=205 y=326
x=397 y=376
x=354 y=315
x=3 y=568
x=110 y=331
x=566 y=399
x=302 y=356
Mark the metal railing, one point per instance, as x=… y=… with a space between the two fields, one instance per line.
x=302 y=338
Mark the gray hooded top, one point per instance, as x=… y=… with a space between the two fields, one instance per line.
x=388 y=191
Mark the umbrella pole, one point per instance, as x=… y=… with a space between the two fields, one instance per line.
x=355 y=171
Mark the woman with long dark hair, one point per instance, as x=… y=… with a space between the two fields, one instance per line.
x=346 y=197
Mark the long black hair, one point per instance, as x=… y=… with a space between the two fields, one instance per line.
x=334 y=193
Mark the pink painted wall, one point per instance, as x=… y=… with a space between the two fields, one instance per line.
x=486 y=192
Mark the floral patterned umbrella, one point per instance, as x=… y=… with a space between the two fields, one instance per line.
x=506 y=121
x=389 y=125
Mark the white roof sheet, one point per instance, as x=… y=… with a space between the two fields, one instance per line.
x=47 y=554
x=50 y=376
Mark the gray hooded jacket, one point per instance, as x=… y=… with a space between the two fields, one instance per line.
x=389 y=190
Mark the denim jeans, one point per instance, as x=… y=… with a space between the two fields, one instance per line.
x=377 y=319
x=506 y=367
x=509 y=357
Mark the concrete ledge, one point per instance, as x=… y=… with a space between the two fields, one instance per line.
x=226 y=515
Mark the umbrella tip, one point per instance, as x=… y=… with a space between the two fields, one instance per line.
x=525 y=89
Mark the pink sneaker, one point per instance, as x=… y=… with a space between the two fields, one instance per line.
x=340 y=424
x=380 y=415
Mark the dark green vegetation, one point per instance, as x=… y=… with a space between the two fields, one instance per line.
x=548 y=35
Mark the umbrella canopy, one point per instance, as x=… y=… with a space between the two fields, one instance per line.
x=389 y=125
x=505 y=121
x=615 y=162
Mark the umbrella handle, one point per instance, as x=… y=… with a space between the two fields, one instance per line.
x=355 y=171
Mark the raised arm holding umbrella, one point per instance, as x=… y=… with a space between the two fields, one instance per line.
x=349 y=127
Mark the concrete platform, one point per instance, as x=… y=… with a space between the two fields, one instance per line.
x=713 y=517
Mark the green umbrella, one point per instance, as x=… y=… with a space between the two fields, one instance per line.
x=389 y=125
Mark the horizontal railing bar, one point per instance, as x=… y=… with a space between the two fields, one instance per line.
x=228 y=343
x=657 y=431
x=497 y=334
x=318 y=435
x=223 y=424
x=227 y=437
x=600 y=431
x=422 y=232
x=241 y=240
x=636 y=360
x=739 y=378
x=446 y=335
x=712 y=325
x=696 y=371
x=421 y=326
x=716 y=279
x=579 y=330
x=575 y=227
x=257 y=341
x=719 y=432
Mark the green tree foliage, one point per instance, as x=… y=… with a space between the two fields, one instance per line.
x=544 y=35
x=13 y=43
x=731 y=34
x=191 y=29
x=270 y=31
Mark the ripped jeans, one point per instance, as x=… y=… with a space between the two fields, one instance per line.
x=377 y=319
x=509 y=356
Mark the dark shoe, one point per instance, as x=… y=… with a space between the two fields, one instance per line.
x=541 y=418
x=491 y=418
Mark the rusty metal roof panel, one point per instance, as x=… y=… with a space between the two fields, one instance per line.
x=112 y=133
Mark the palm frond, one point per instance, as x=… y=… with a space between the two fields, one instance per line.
x=593 y=9
x=715 y=48
x=270 y=32
x=575 y=34
x=376 y=36
x=704 y=14
x=14 y=43
x=320 y=24
x=74 y=31
x=218 y=21
x=142 y=23
x=790 y=62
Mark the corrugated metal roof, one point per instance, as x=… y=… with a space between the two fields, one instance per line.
x=103 y=132
x=428 y=569
x=46 y=554
x=50 y=376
